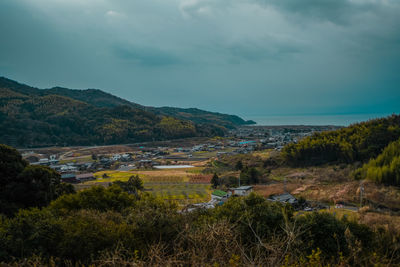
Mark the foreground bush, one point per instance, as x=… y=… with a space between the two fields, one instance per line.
x=142 y=230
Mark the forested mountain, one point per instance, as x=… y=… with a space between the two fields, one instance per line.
x=102 y=99
x=58 y=116
x=358 y=142
x=200 y=116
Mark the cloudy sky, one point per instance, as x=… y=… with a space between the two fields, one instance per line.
x=246 y=57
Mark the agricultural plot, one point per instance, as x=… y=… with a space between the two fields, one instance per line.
x=79 y=159
x=210 y=154
x=183 y=185
x=182 y=192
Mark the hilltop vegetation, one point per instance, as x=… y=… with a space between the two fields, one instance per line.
x=202 y=117
x=383 y=169
x=33 y=117
x=60 y=116
x=358 y=142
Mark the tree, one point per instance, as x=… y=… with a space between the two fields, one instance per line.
x=24 y=185
x=35 y=186
x=132 y=186
x=95 y=198
x=239 y=165
x=11 y=164
x=215 y=180
x=249 y=176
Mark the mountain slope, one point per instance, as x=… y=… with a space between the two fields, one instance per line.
x=34 y=117
x=358 y=142
x=101 y=99
x=200 y=116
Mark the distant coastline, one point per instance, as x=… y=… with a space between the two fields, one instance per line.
x=330 y=119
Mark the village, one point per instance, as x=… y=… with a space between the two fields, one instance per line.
x=86 y=166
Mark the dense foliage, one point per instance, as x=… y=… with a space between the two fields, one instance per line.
x=358 y=142
x=383 y=169
x=58 y=120
x=23 y=185
x=60 y=116
x=116 y=226
x=132 y=186
x=146 y=231
x=202 y=117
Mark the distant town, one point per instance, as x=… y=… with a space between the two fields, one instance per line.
x=77 y=164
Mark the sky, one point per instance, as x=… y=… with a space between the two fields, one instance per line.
x=244 y=57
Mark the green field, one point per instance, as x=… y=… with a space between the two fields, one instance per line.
x=180 y=191
x=77 y=160
x=167 y=184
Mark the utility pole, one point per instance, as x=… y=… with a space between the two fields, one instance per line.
x=361 y=193
x=284 y=186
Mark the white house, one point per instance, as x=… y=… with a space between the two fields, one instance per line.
x=243 y=190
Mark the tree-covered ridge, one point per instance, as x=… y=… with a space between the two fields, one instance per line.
x=37 y=119
x=358 y=142
x=100 y=99
x=203 y=117
x=58 y=120
x=383 y=169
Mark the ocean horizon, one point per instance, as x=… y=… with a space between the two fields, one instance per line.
x=331 y=119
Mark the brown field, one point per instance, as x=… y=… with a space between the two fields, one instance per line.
x=200 y=178
x=330 y=184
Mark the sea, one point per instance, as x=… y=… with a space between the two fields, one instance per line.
x=337 y=120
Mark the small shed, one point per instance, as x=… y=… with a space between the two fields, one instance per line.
x=219 y=195
x=243 y=190
x=284 y=198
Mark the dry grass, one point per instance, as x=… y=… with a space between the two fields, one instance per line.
x=376 y=220
x=330 y=184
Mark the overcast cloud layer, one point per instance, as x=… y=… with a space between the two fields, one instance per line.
x=246 y=57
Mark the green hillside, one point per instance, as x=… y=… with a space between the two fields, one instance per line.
x=383 y=169
x=33 y=117
x=200 y=116
x=102 y=99
x=358 y=142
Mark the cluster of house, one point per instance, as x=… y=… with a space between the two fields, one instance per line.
x=277 y=136
x=218 y=197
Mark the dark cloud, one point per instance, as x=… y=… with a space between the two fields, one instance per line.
x=146 y=56
x=258 y=52
x=247 y=56
x=335 y=11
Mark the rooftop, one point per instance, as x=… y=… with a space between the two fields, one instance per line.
x=219 y=193
x=244 y=187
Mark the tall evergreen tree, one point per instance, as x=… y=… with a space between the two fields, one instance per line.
x=215 y=181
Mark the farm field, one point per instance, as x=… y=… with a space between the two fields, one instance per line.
x=182 y=185
x=79 y=159
x=210 y=154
